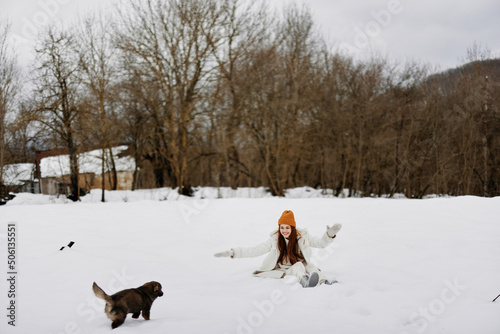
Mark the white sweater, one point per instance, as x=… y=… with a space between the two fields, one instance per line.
x=270 y=246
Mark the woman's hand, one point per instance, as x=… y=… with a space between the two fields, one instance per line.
x=228 y=253
x=332 y=231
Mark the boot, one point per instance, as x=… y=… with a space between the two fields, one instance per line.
x=310 y=281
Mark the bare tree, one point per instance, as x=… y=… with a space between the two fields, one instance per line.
x=98 y=65
x=244 y=26
x=170 y=42
x=277 y=85
x=57 y=82
x=9 y=86
x=230 y=93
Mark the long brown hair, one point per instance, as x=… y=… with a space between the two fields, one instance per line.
x=292 y=252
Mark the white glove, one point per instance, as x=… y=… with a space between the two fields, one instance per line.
x=228 y=253
x=332 y=231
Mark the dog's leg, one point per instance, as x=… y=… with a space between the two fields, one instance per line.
x=136 y=315
x=145 y=313
x=117 y=323
x=118 y=319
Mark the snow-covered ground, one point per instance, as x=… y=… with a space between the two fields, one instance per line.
x=404 y=266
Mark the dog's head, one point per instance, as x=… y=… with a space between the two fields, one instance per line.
x=154 y=289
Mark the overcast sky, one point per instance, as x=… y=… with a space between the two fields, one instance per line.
x=434 y=31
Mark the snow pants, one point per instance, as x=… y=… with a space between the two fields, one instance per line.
x=299 y=270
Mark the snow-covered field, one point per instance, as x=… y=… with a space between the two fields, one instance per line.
x=404 y=266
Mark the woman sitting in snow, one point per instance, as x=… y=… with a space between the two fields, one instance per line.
x=289 y=252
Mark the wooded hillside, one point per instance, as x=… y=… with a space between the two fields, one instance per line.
x=230 y=93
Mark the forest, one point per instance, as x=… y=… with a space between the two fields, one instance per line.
x=233 y=93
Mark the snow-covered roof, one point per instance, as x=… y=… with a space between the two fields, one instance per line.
x=89 y=163
x=18 y=174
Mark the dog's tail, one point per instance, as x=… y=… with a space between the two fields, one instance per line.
x=100 y=293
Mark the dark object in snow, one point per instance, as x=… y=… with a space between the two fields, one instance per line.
x=187 y=191
x=496 y=298
x=6 y=198
x=71 y=243
x=127 y=301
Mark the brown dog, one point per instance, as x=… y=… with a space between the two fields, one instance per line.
x=129 y=301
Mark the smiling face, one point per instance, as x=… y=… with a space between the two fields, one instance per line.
x=285 y=230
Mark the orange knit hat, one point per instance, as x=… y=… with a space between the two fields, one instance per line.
x=287 y=218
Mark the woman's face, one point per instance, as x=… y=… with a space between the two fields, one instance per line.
x=285 y=230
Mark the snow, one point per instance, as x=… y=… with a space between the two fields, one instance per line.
x=18 y=174
x=88 y=162
x=164 y=194
x=404 y=266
